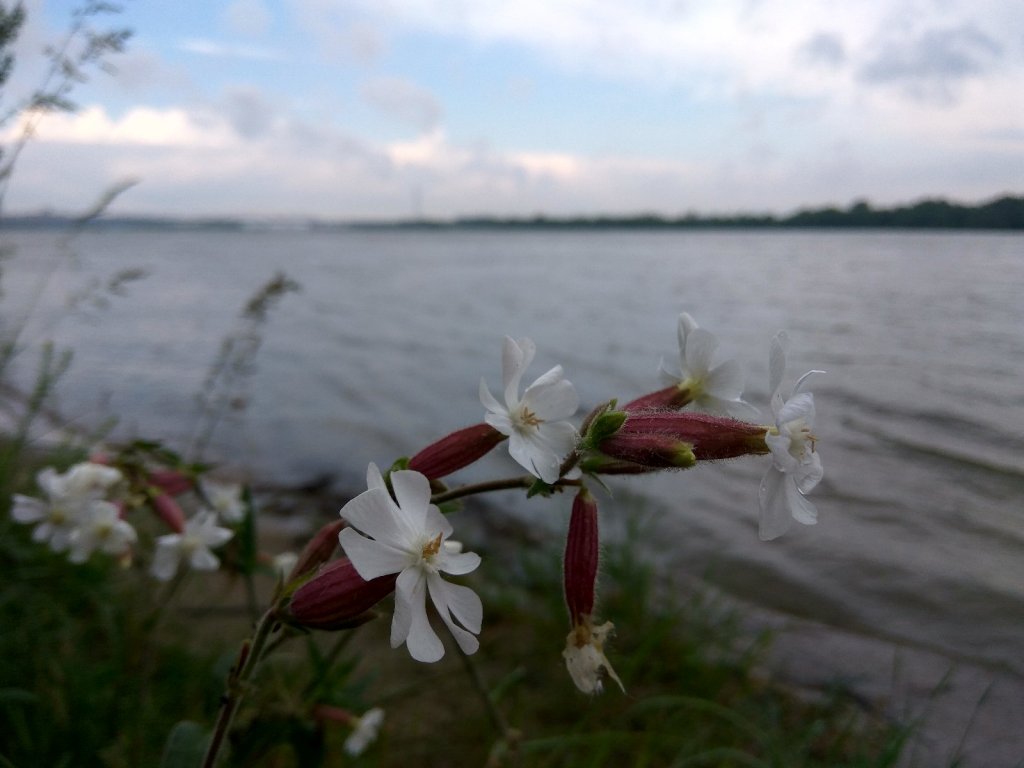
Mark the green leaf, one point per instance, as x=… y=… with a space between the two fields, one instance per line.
x=185 y=747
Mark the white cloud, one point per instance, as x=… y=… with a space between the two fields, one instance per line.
x=404 y=101
x=248 y=17
x=220 y=50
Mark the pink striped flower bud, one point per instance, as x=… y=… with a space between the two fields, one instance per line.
x=457 y=450
x=650 y=450
x=318 y=550
x=669 y=398
x=584 y=645
x=709 y=437
x=169 y=511
x=581 y=556
x=337 y=597
x=171 y=481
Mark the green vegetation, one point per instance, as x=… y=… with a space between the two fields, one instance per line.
x=1002 y=213
x=96 y=673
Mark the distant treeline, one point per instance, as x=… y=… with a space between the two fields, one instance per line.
x=1002 y=213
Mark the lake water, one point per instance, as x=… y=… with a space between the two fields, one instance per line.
x=920 y=415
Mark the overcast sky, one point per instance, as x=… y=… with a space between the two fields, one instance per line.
x=393 y=108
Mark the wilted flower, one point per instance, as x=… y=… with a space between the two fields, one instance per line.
x=193 y=545
x=101 y=527
x=538 y=439
x=585 y=659
x=409 y=536
x=796 y=466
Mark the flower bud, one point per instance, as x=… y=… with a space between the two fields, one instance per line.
x=318 y=550
x=171 y=481
x=581 y=556
x=669 y=398
x=654 y=451
x=709 y=437
x=337 y=597
x=169 y=511
x=457 y=450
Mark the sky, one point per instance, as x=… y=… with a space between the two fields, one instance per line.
x=382 y=109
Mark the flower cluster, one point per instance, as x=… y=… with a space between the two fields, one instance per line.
x=96 y=506
x=395 y=538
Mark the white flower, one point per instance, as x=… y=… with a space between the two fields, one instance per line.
x=102 y=528
x=538 y=440
x=585 y=659
x=796 y=465
x=90 y=480
x=410 y=538
x=68 y=497
x=193 y=545
x=364 y=731
x=714 y=390
x=225 y=499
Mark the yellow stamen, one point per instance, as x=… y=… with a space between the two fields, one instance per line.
x=431 y=548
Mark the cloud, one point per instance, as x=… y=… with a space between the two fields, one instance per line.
x=823 y=49
x=403 y=101
x=215 y=49
x=251 y=18
x=250 y=113
x=932 y=62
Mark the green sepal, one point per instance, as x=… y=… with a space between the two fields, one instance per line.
x=541 y=488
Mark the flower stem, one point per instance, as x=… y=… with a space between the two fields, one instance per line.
x=507 y=484
x=248 y=657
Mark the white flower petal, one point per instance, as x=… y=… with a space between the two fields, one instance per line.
x=489 y=402
x=203 y=559
x=26 y=509
x=501 y=422
x=725 y=381
x=700 y=350
x=546 y=379
x=777 y=366
x=60 y=539
x=797 y=407
x=800 y=508
x=459 y=564
x=372 y=558
x=167 y=557
x=775 y=513
x=434 y=523
x=534 y=455
x=780 y=446
x=516 y=357
x=374 y=513
x=374 y=479
x=553 y=401
x=421 y=640
x=809 y=472
x=463 y=603
x=667 y=376
x=412 y=491
x=438 y=590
